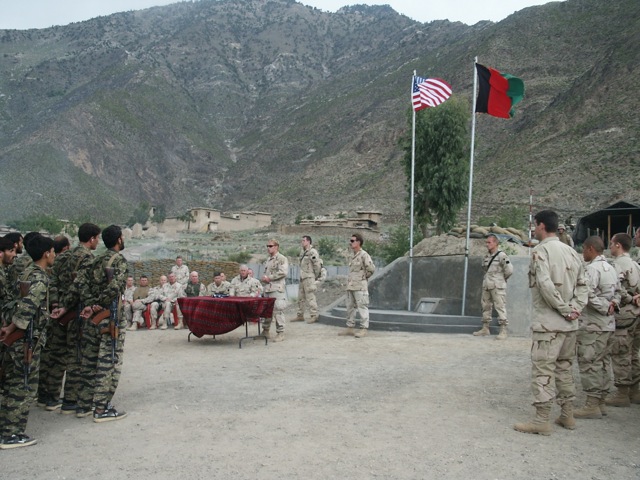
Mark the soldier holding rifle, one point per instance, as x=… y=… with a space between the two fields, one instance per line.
x=23 y=340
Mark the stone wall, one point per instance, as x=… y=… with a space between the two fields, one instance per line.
x=205 y=268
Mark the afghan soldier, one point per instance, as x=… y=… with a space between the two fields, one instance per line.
x=498 y=268
x=597 y=324
x=63 y=347
x=7 y=293
x=361 y=267
x=310 y=270
x=559 y=293
x=22 y=261
x=219 y=286
x=21 y=359
x=626 y=373
x=181 y=271
x=276 y=269
x=102 y=351
x=243 y=285
x=139 y=306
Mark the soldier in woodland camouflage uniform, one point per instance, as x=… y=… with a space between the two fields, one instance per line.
x=101 y=372
x=310 y=270
x=597 y=324
x=61 y=351
x=22 y=261
x=498 y=269
x=242 y=285
x=626 y=372
x=7 y=293
x=276 y=269
x=559 y=293
x=194 y=288
x=361 y=267
x=218 y=286
x=32 y=310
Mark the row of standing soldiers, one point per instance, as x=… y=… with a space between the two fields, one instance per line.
x=79 y=343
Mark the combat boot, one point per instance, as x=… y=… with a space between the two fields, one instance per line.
x=179 y=326
x=279 y=337
x=484 y=331
x=361 y=333
x=502 y=335
x=313 y=319
x=346 y=332
x=162 y=323
x=540 y=424
x=299 y=318
x=566 y=419
x=620 y=398
x=133 y=327
x=634 y=393
x=591 y=409
x=603 y=405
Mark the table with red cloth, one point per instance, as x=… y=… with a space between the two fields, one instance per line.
x=215 y=316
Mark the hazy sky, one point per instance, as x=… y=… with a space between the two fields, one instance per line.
x=23 y=14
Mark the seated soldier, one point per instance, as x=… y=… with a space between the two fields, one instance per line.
x=171 y=291
x=194 y=288
x=219 y=287
x=243 y=285
x=156 y=299
x=139 y=303
x=127 y=303
x=257 y=282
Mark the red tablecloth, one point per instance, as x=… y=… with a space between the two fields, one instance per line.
x=215 y=316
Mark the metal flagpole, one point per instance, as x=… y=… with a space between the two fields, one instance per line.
x=473 y=137
x=413 y=171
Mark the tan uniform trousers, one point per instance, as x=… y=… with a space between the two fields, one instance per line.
x=138 y=310
x=624 y=344
x=357 y=301
x=128 y=312
x=496 y=298
x=307 y=297
x=593 y=348
x=552 y=355
x=278 y=311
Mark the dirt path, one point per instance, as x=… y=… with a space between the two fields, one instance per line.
x=319 y=406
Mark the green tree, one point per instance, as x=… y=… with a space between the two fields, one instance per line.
x=398 y=243
x=35 y=223
x=441 y=164
x=160 y=214
x=140 y=215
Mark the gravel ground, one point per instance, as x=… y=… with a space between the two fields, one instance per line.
x=317 y=406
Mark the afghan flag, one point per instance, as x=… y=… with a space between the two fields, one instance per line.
x=498 y=92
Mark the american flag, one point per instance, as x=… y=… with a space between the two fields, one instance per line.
x=429 y=92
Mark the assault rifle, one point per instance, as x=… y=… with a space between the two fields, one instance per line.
x=79 y=325
x=112 y=329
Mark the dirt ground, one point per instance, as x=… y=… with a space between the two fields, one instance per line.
x=392 y=405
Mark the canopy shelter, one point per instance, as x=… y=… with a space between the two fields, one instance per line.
x=621 y=217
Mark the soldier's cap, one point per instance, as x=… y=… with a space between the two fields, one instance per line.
x=217 y=274
x=561 y=226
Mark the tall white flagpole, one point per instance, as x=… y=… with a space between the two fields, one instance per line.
x=413 y=171
x=473 y=137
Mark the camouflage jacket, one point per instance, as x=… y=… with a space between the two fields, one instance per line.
x=497 y=271
x=66 y=268
x=222 y=289
x=361 y=267
x=604 y=288
x=172 y=292
x=244 y=288
x=18 y=266
x=629 y=275
x=276 y=268
x=310 y=264
x=34 y=306
x=91 y=286
x=197 y=290
x=182 y=273
x=7 y=297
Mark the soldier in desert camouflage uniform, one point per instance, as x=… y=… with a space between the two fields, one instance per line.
x=181 y=271
x=243 y=285
x=100 y=370
x=498 y=268
x=61 y=351
x=218 y=286
x=140 y=302
x=127 y=304
x=597 y=324
x=20 y=384
x=310 y=270
x=626 y=372
x=361 y=267
x=276 y=269
x=172 y=290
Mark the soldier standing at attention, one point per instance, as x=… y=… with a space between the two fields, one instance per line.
x=597 y=324
x=31 y=318
x=7 y=294
x=498 y=268
x=559 y=293
x=626 y=372
x=181 y=271
x=61 y=352
x=276 y=269
x=310 y=268
x=100 y=367
x=361 y=267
